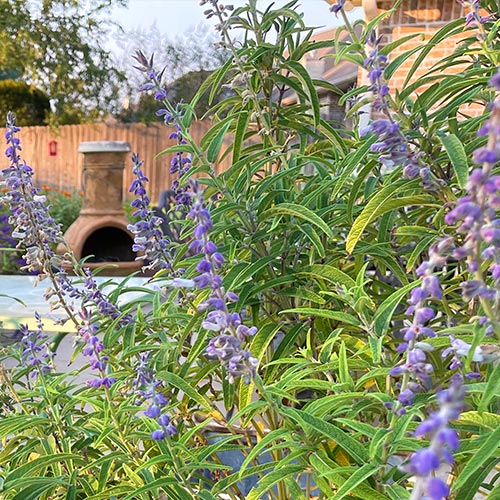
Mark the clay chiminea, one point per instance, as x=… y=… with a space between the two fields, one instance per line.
x=101 y=229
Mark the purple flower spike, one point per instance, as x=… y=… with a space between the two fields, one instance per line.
x=153 y=411
x=158 y=435
x=474 y=18
x=495 y=81
x=437 y=489
x=93 y=348
x=36 y=353
x=426 y=461
x=32 y=226
x=414 y=347
x=180 y=163
x=393 y=147
x=39 y=234
x=337 y=6
x=406 y=397
x=150 y=243
x=476 y=215
x=231 y=334
x=147 y=390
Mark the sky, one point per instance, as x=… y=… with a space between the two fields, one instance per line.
x=177 y=17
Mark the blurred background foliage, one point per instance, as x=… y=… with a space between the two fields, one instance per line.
x=31 y=104
x=55 y=46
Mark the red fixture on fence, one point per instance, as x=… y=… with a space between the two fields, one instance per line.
x=52 y=148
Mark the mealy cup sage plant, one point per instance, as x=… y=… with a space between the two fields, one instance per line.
x=325 y=324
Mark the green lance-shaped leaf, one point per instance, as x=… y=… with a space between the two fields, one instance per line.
x=301 y=73
x=479 y=459
x=325 y=313
x=224 y=483
x=333 y=135
x=492 y=389
x=376 y=348
x=29 y=486
x=297 y=211
x=494 y=494
x=246 y=394
x=166 y=483
x=41 y=463
x=260 y=342
x=380 y=203
x=382 y=317
x=484 y=419
x=347 y=443
x=458 y=157
x=16 y=424
x=35 y=491
x=345 y=376
x=247 y=272
x=470 y=489
x=214 y=81
x=328 y=273
x=355 y=485
x=177 y=148
x=263 y=444
x=116 y=492
x=239 y=134
x=176 y=381
x=444 y=32
x=217 y=140
x=420 y=247
x=72 y=489
x=269 y=480
x=313 y=237
x=355 y=479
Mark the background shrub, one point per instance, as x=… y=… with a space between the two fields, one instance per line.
x=65 y=205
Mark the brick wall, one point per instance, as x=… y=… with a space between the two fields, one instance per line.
x=424 y=17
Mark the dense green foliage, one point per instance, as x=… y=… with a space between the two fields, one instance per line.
x=322 y=244
x=31 y=104
x=64 y=206
x=57 y=46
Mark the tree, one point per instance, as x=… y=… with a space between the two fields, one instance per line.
x=57 y=45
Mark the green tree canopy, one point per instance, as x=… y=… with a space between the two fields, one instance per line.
x=58 y=46
x=30 y=104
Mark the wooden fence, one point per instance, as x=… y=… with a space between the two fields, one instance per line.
x=64 y=170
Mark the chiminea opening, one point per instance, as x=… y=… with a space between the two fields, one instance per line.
x=100 y=233
x=109 y=244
